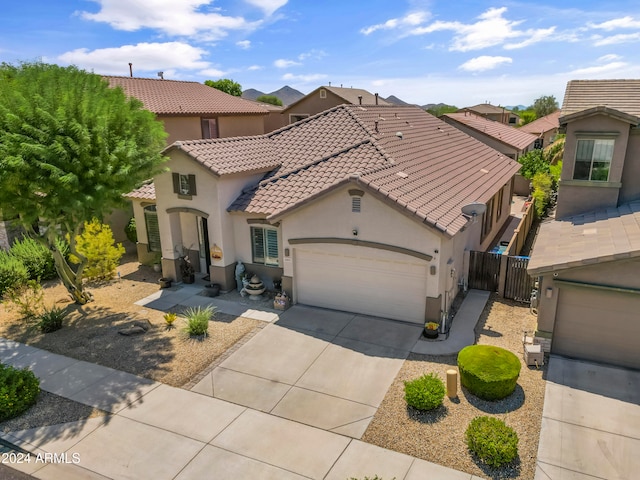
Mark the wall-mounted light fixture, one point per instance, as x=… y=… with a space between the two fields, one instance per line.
x=355 y=232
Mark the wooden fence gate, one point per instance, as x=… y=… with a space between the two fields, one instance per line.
x=496 y=273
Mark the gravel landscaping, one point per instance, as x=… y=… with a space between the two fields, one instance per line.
x=438 y=435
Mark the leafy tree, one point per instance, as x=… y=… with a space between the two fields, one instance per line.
x=270 y=99
x=441 y=109
x=527 y=116
x=96 y=244
x=533 y=162
x=70 y=147
x=226 y=85
x=545 y=105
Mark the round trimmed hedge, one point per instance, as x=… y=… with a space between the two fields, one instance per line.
x=488 y=372
x=425 y=392
x=493 y=441
x=19 y=389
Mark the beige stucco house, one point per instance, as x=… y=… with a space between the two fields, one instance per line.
x=326 y=97
x=545 y=128
x=357 y=208
x=492 y=112
x=588 y=259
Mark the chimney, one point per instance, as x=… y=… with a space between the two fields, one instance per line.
x=131 y=69
x=376 y=98
x=360 y=99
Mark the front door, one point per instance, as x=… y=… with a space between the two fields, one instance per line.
x=204 y=247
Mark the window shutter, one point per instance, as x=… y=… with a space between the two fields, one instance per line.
x=257 y=241
x=176 y=182
x=192 y=184
x=271 y=247
x=153 y=229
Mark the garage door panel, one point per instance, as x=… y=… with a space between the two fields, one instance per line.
x=598 y=326
x=384 y=287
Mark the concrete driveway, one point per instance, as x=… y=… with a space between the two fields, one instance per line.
x=322 y=368
x=590 y=422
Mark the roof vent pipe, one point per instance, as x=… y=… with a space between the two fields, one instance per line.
x=376 y=98
x=360 y=99
x=131 y=69
x=376 y=124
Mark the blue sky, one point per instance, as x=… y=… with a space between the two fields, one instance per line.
x=458 y=52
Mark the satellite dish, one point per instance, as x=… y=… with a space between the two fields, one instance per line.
x=474 y=209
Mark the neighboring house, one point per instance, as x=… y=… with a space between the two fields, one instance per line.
x=357 y=208
x=324 y=98
x=588 y=259
x=491 y=112
x=189 y=111
x=511 y=141
x=545 y=128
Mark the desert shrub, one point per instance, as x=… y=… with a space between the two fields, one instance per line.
x=494 y=442
x=488 y=372
x=13 y=273
x=36 y=257
x=96 y=243
x=542 y=190
x=27 y=298
x=198 y=320
x=19 y=389
x=424 y=393
x=130 y=231
x=51 y=319
x=169 y=318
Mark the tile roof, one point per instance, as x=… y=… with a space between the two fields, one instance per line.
x=506 y=134
x=173 y=97
x=621 y=95
x=587 y=239
x=145 y=192
x=400 y=153
x=542 y=124
x=350 y=95
x=486 y=108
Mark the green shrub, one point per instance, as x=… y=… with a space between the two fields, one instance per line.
x=13 y=273
x=27 y=298
x=96 y=243
x=19 y=389
x=130 y=231
x=424 y=393
x=488 y=372
x=51 y=319
x=542 y=190
x=495 y=443
x=198 y=320
x=36 y=257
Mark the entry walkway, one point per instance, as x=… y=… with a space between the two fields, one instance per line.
x=159 y=432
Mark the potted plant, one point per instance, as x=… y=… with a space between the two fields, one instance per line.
x=431 y=330
x=212 y=289
x=156 y=263
x=186 y=269
x=164 y=282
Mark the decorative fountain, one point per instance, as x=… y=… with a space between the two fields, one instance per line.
x=255 y=288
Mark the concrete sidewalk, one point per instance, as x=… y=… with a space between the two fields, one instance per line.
x=159 y=432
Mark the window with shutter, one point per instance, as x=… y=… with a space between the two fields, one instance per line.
x=184 y=184
x=264 y=245
x=153 y=229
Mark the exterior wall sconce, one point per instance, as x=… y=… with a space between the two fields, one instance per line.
x=216 y=252
x=355 y=232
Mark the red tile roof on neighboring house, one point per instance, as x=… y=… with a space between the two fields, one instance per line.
x=145 y=192
x=542 y=124
x=511 y=136
x=400 y=154
x=587 y=239
x=621 y=95
x=486 y=108
x=349 y=95
x=173 y=97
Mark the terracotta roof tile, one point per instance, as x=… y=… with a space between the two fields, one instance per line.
x=621 y=95
x=506 y=134
x=593 y=237
x=172 y=97
x=542 y=124
x=145 y=192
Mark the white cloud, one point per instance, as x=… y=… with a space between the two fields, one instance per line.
x=600 y=41
x=212 y=72
x=484 y=62
x=244 y=44
x=254 y=68
x=184 y=17
x=268 y=6
x=148 y=57
x=491 y=29
x=282 y=63
x=600 y=69
x=409 y=20
x=624 y=22
x=609 y=58
x=315 y=54
x=304 y=78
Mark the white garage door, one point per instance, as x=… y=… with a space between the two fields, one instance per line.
x=344 y=277
x=595 y=325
